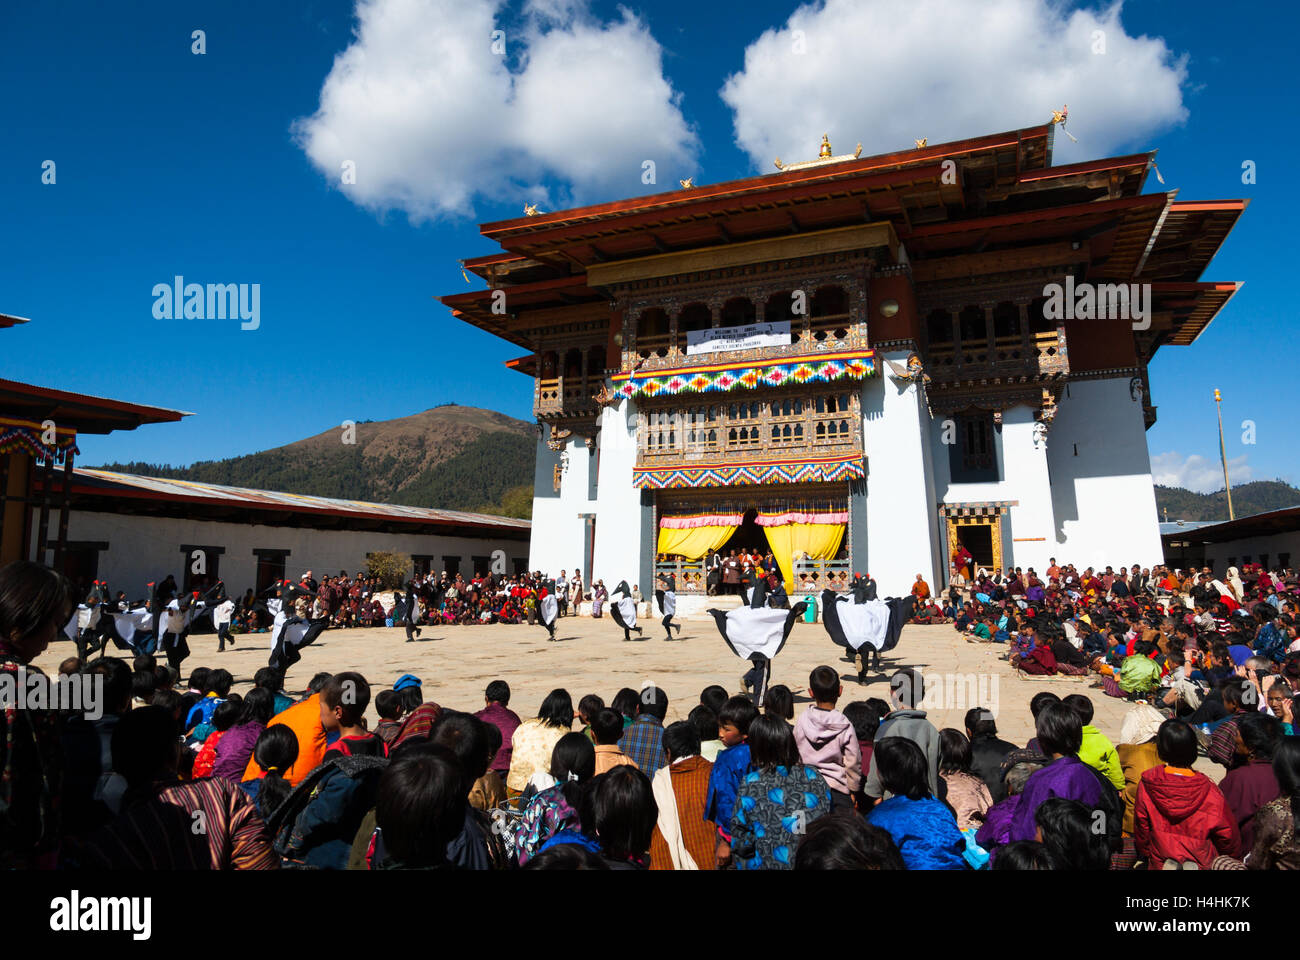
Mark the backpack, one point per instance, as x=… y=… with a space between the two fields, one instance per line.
x=315 y=825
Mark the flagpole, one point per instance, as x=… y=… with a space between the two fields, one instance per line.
x=1223 y=453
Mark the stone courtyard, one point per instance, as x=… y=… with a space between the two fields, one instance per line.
x=455 y=663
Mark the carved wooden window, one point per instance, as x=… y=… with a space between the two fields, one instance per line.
x=938 y=327
x=1006 y=321
x=738 y=312
x=652 y=333
x=974 y=328
x=973 y=458
x=830 y=314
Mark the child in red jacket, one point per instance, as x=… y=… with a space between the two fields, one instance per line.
x=1180 y=819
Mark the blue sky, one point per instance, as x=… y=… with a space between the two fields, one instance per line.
x=222 y=168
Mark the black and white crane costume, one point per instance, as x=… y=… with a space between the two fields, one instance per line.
x=623 y=609
x=757 y=633
x=864 y=625
x=667 y=600
x=548 y=608
x=289 y=632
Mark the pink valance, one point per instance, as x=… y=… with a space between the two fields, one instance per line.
x=797 y=516
x=693 y=521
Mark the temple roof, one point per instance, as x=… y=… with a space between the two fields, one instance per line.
x=1007 y=208
x=84 y=413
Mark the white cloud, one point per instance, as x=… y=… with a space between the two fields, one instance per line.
x=892 y=71
x=433 y=118
x=1197 y=473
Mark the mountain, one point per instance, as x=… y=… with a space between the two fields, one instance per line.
x=1259 y=496
x=452 y=457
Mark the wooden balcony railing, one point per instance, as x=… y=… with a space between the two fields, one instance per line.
x=830 y=332
x=566 y=396
x=810 y=576
x=1028 y=354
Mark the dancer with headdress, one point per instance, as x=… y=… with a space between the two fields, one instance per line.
x=409 y=615
x=223 y=608
x=175 y=620
x=667 y=600
x=548 y=608
x=757 y=633
x=292 y=629
x=83 y=629
x=864 y=625
x=623 y=609
x=132 y=627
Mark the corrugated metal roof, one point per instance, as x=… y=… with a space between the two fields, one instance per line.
x=1180 y=526
x=273 y=499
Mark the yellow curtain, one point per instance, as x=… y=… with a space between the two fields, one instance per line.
x=820 y=541
x=695 y=542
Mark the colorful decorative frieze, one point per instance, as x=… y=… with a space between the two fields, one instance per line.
x=822 y=469
x=725 y=377
x=29 y=437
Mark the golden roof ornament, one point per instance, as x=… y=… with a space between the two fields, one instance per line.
x=923 y=142
x=1059 y=118
x=530 y=210
x=687 y=183
x=824 y=155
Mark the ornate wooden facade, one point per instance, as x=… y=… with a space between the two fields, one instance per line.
x=927 y=269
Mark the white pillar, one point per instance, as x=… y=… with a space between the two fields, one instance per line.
x=1028 y=482
x=557 y=541
x=900 y=497
x=623 y=550
x=1103 y=499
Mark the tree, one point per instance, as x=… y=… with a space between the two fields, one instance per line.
x=392 y=569
x=518 y=502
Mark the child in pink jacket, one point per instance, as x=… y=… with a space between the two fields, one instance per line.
x=826 y=739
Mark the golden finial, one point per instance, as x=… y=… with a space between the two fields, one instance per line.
x=1059 y=117
x=923 y=142
x=826 y=146
x=858 y=152
x=779 y=164
x=530 y=210
x=687 y=183
x=462 y=270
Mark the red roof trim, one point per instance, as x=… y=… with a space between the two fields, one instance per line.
x=1087 y=166
x=767 y=181
x=1154 y=200
x=113 y=490
x=146 y=413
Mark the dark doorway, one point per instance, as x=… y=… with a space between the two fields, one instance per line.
x=81 y=566
x=978 y=539
x=270 y=568
x=749 y=536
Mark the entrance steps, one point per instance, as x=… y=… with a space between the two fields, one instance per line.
x=696 y=606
